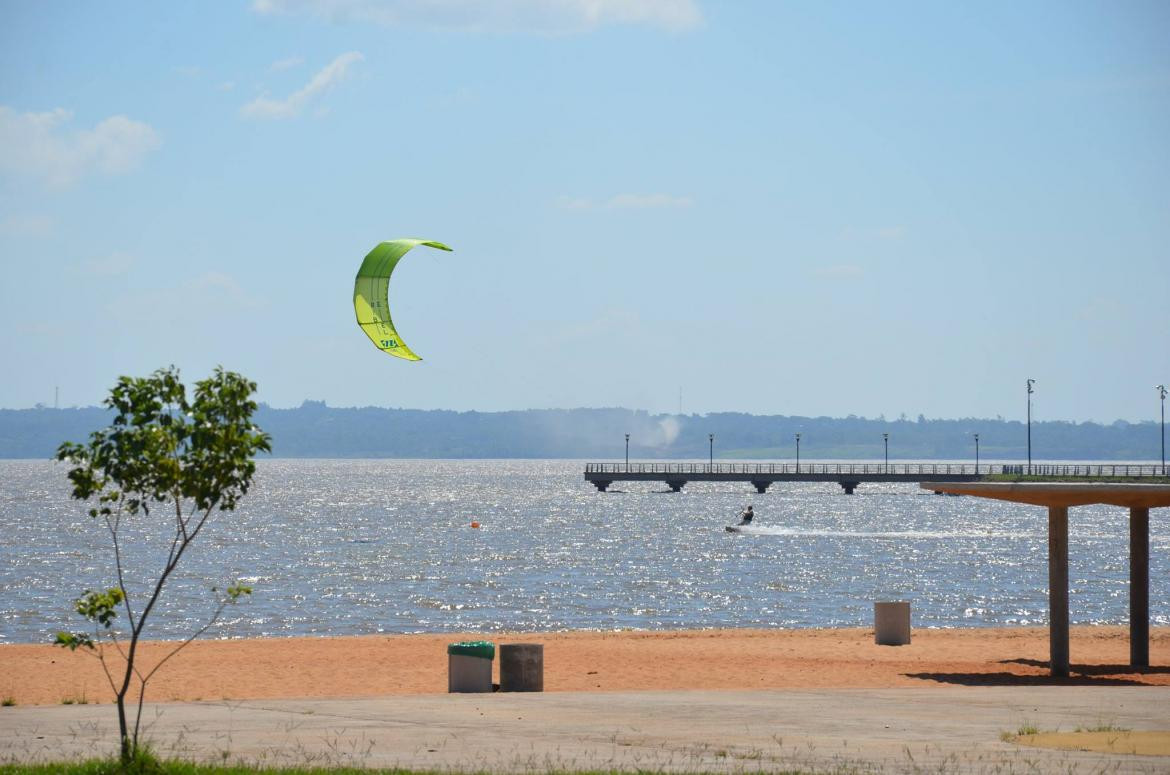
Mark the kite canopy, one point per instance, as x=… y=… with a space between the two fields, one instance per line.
x=371 y=299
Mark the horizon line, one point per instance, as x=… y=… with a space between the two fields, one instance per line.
x=322 y=404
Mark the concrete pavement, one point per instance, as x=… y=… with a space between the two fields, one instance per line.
x=938 y=729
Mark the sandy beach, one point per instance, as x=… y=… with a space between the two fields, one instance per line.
x=373 y=666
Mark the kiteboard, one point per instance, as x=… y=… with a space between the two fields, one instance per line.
x=736 y=528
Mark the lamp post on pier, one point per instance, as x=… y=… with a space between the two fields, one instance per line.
x=798 y=453
x=1162 y=394
x=711 y=452
x=976 y=454
x=886 y=441
x=1031 y=382
x=627 y=453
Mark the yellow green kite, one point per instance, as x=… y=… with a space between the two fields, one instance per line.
x=370 y=295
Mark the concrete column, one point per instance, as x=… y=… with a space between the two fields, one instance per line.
x=1139 y=587
x=1058 y=589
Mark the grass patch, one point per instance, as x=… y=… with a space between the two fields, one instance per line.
x=8 y=701
x=113 y=767
x=1024 y=729
x=156 y=767
x=1103 y=728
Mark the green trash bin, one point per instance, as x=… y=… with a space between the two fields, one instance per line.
x=469 y=666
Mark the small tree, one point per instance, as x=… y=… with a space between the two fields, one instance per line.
x=166 y=457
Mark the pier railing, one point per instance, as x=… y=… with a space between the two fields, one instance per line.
x=893 y=469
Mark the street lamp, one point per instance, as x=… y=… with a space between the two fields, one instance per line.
x=711 y=453
x=798 y=453
x=886 y=441
x=627 y=453
x=1031 y=382
x=976 y=454
x=1162 y=394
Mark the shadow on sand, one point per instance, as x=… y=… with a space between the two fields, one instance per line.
x=1079 y=675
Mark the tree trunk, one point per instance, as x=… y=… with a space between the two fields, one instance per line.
x=126 y=748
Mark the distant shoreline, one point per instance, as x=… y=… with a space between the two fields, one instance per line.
x=378 y=665
x=314 y=430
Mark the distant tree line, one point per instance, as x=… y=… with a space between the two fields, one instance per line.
x=316 y=430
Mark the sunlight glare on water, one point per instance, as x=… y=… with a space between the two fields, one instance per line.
x=342 y=547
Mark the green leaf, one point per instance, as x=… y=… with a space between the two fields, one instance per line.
x=72 y=641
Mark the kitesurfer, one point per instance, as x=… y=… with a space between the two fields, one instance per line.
x=745 y=516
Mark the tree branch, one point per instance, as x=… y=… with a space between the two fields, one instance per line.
x=223 y=604
x=113 y=528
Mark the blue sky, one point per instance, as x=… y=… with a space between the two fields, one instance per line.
x=812 y=208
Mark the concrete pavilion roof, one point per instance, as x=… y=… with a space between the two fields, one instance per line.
x=1147 y=496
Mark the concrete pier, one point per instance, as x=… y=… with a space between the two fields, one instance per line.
x=1058 y=498
x=849 y=476
x=763 y=475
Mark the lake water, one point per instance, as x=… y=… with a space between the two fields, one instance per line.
x=344 y=547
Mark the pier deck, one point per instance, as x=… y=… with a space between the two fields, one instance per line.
x=847 y=475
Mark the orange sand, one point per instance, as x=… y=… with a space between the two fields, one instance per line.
x=591 y=661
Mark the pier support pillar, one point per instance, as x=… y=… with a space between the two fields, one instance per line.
x=675 y=485
x=848 y=486
x=1058 y=589
x=761 y=487
x=601 y=484
x=1139 y=587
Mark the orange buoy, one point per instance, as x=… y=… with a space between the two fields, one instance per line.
x=475 y=524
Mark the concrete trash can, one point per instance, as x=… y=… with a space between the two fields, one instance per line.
x=891 y=623
x=469 y=666
x=521 y=667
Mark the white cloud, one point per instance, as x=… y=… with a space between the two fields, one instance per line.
x=642 y=201
x=112 y=265
x=1100 y=309
x=612 y=322
x=626 y=202
x=841 y=271
x=540 y=16
x=285 y=64
x=892 y=232
x=39 y=146
x=295 y=103
x=574 y=203
x=217 y=283
x=25 y=225
x=191 y=301
x=217 y=291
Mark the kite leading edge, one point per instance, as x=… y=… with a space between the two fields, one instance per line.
x=371 y=294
